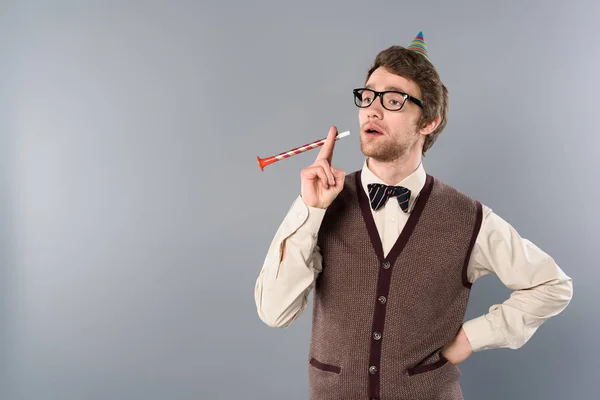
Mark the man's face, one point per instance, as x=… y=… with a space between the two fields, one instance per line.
x=399 y=131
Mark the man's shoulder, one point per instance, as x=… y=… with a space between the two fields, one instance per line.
x=442 y=187
x=453 y=199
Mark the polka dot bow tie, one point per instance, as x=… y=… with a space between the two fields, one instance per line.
x=379 y=195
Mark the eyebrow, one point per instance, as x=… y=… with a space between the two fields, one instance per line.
x=387 y=88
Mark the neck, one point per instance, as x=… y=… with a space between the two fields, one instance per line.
x=392 y=172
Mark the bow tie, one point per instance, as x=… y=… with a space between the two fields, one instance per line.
x=379 y=194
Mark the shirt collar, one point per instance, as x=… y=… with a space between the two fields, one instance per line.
x=414 y=182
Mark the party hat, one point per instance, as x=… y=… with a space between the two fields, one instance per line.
x=418 y=45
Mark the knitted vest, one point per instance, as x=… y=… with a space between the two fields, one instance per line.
x=379 y=323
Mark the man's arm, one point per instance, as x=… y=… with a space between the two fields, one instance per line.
x=540 y=288
x=291 y=267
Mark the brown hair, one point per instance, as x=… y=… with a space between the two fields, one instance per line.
x=415 y=67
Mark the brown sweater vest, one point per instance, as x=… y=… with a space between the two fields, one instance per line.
x=379 y=323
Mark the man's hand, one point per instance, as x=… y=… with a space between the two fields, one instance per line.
x=459 y=349
x=320 y=182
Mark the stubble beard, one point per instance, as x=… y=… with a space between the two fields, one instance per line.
x=388 y=149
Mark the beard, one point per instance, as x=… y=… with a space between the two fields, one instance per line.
x=388 y=148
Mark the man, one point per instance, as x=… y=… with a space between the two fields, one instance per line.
x=392 y=252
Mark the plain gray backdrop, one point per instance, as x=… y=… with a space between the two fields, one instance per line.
x=135 y=220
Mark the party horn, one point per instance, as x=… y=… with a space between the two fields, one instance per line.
x=263 y=162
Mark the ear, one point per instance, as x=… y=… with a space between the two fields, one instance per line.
x=430 y=127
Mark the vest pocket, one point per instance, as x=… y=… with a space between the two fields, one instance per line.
x=431 y=363
x=325 y=367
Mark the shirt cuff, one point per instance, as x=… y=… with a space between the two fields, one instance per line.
x=309 y=217
x=483 y=335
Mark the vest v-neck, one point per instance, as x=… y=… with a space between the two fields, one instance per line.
x=411 y=223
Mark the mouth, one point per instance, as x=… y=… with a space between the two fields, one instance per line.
x=372 y=130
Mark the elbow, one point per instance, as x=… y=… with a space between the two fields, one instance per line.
x=271 y=316
x=563 y=294
x=565 y=291
x=273 y=320
x=268 y=318
x=568 y=291
x=278 y=306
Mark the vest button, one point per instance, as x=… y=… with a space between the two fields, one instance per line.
x=373 y=369
x=376 y=335
x=386 y=265
x=382 y=299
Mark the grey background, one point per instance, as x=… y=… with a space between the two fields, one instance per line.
x=134 y=219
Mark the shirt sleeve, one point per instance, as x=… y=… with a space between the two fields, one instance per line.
x=540 y=288
x=291 y=266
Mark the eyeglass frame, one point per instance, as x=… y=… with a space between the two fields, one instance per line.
x=380 y=94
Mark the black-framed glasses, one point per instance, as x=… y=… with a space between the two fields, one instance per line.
x=390 y=99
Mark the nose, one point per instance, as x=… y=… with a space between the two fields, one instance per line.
x=375 y=110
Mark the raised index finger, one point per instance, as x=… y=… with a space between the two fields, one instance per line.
x=326 y=151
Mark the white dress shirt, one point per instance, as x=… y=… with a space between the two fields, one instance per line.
x=540 y=288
